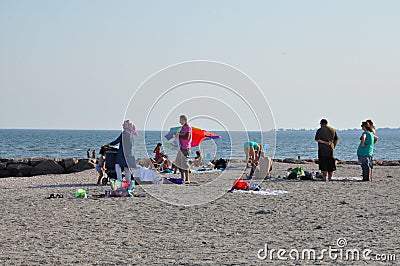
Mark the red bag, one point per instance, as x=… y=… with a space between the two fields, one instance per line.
x=239 y=184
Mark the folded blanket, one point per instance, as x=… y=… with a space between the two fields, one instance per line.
x=144 y=174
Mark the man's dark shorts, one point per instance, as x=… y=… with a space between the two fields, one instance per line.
x=327 y=164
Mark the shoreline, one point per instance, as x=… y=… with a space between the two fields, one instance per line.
x=20 y=167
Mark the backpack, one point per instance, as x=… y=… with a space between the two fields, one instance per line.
x=298 y=171
x=239 y=184
x=307 y=176
x=220 y=163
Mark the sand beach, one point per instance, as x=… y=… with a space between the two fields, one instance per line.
x=234 y=229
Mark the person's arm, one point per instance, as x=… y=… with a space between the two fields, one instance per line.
x=363 y=137
x=375 y=137
x=103 y=165
x=336 y=140
x=117 y=141
x=322 y=141
x=185 y=136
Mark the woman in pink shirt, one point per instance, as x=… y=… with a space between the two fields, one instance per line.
x=185 y=139
x=160 y=157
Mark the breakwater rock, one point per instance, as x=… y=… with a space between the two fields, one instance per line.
x=43 y=166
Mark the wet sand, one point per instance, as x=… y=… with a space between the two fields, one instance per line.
x=229 y=230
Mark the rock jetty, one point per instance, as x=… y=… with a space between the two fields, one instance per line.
x=43 y=166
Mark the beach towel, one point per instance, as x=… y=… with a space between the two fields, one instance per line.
x=205 y=170
x=176 y=180
x=167 y=171
x=261 y=192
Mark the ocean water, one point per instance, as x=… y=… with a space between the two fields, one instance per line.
x=19 y=143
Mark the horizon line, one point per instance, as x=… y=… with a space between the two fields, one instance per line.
x=105 y=129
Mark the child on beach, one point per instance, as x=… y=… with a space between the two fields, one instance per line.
x=101 y=164
x=365 y=151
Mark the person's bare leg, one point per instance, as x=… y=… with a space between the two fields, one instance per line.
x=370 y=176
x=252 y=154
x=330 y=175
x=325 y=175
x=246 y=152
x=100 y=176
x=187 y=176
x=253 y=169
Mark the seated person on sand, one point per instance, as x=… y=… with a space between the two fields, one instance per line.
x=252 y=150
x=198 y=160
x=160 y=157
x=166 y=163
x=261 y=167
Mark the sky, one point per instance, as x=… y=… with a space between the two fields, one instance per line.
x=79 y=64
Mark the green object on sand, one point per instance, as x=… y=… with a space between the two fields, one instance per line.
x=80 y=193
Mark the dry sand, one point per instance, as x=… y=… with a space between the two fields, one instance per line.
x=227 y=231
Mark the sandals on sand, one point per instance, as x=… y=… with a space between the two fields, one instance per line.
x=53 y=196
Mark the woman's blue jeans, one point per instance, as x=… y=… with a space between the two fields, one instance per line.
x=366 y=166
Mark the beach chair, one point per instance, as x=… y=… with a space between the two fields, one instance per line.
x=263 y=168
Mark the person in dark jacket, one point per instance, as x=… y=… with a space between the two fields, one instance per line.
x=125 y=159
x=327 y=139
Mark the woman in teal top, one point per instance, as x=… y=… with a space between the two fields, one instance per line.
x=250 y=149
x=365 y=151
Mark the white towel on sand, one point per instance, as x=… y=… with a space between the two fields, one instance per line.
x=144 y=174
x=262 y=192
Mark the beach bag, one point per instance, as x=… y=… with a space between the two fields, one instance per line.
x=220 y=163
x=122 y=188
x=240 y=184
x=292 y=176
x=298 y=171
x=307 y=176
